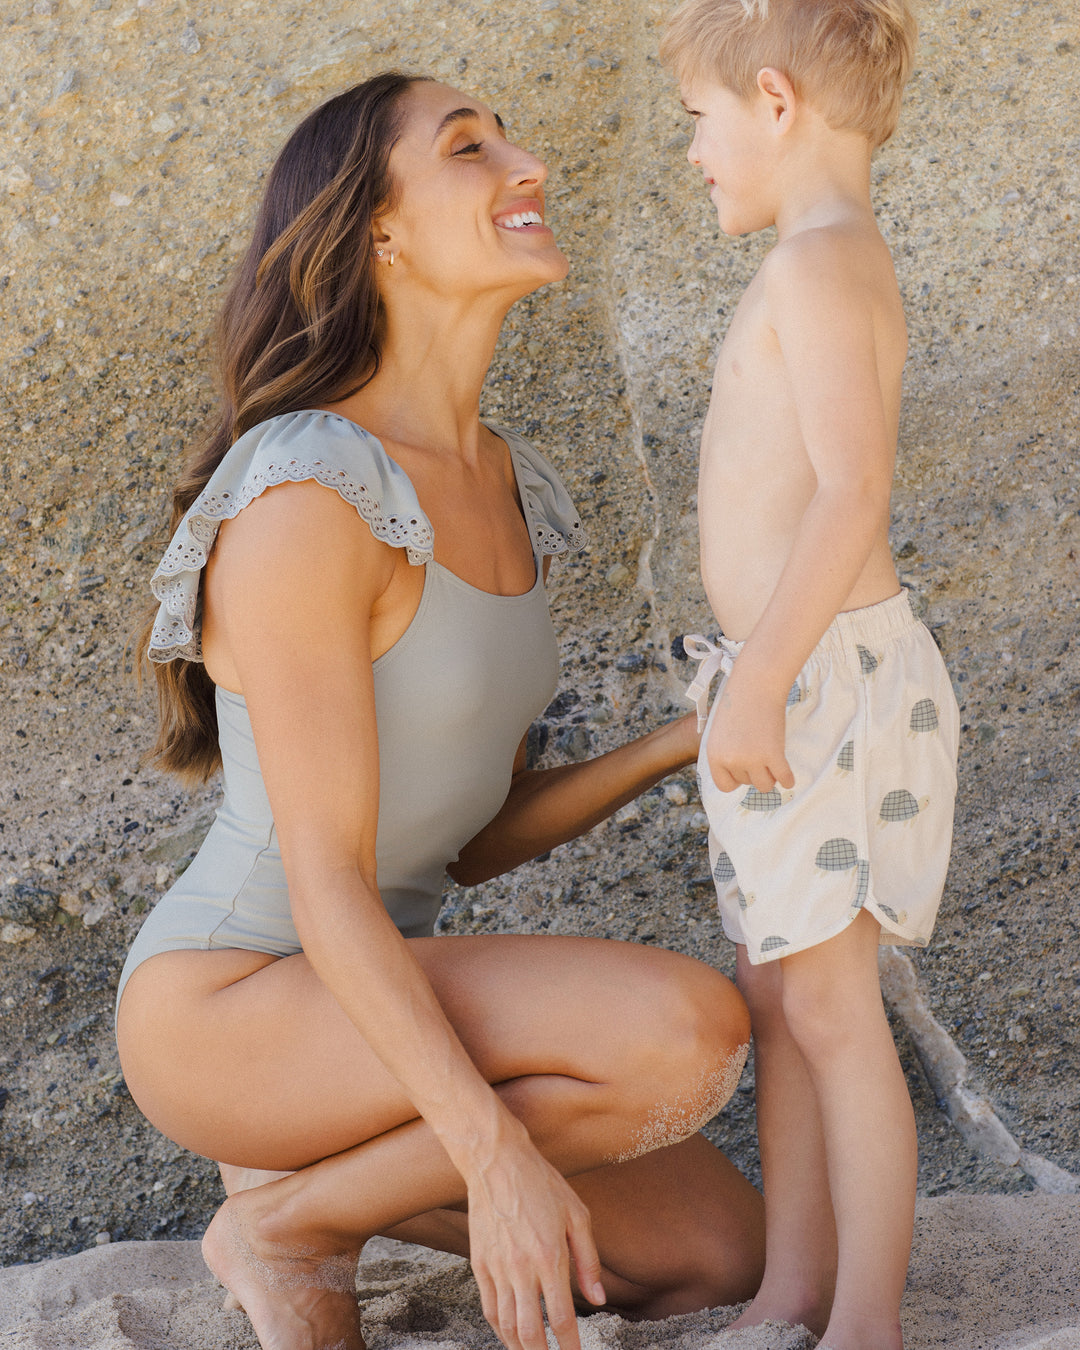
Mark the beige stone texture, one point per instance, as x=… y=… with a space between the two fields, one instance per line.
x=133 y=137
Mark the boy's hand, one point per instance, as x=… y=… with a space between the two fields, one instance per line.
x=746 y=739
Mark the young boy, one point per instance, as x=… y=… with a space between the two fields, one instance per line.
x=828 y=760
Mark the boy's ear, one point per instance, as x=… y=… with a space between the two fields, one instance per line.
x=779 y=93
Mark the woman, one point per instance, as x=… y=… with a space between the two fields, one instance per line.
x=372 y=657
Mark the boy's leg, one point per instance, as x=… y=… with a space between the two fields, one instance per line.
x=832 y=1002
x=800 y=1240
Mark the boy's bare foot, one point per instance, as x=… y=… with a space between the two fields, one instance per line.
x=296 y=1298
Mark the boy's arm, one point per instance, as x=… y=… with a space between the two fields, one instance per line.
x=822 y=314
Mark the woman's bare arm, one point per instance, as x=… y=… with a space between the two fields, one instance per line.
x=546 y=807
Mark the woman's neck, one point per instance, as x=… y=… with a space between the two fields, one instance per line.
x=427 y=391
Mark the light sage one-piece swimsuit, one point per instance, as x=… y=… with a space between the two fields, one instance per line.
x=453 y=696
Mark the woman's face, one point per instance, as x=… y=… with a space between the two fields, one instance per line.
x=469 y=216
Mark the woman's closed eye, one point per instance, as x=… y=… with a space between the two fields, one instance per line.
x=472 y=149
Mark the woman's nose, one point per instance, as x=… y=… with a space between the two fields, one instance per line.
x=526 y=167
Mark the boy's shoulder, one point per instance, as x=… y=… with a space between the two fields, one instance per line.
x=828 y=265
x=843 y=246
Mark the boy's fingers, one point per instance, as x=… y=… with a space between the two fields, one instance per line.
x=784 y=776
x=723 y=780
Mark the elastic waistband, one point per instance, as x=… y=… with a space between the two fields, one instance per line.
x=850 y=630
x=863 y=627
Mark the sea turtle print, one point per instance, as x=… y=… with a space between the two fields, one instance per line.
x=900 y=805
x=845 y=760
x=762 y=801
x=795 y=695
x=837 y=855
x=924 y=716
x=772 y=944
x=724 y=871
x=745 y=901
x=867 y=660
x=862 y=885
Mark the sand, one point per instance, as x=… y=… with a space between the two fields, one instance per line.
x=987 y=1273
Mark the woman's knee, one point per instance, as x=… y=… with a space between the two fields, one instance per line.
x=695 y=1043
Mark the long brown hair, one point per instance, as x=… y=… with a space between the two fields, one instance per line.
x=299 y=327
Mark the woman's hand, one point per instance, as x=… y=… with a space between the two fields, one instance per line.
x=746 y=738
x=526 y=1225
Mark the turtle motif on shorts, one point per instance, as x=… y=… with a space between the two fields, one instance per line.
x=724 y=870
x=772 y=944
x=900 y=805
x=795 y=695
x=753 y=800
x=867 y=660
x=837 y=855
x=745 y=901
x=845 y=760
x=923 y=716
x=862 y=885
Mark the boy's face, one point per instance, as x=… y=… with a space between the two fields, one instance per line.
x=733 y=146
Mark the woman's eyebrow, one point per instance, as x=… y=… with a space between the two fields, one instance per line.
x=461 y=115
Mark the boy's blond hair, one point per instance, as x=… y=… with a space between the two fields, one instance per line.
x=849 y=58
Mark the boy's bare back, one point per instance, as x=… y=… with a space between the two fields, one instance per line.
x=806 y=389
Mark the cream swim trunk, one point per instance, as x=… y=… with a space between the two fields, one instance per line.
x=872 y=734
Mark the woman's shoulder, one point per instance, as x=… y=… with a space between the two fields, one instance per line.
x=553 y=519
x=324 y=447
x=310 y=445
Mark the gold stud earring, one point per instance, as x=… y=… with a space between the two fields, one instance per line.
x=391 y=257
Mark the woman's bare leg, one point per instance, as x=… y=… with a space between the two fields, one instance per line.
x=677 y=1230
x=250 y=1059
x=800 y=1235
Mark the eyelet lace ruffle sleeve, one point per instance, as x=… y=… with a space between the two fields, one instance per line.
x=553 y=519
x=294 y=448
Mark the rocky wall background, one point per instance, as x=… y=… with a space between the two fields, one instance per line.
x=132 y=141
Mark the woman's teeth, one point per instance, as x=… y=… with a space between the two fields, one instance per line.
x=516 y=222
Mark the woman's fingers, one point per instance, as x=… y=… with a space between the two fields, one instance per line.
x=561 y=1315
x=585 y=1257
x=527 y=1320
x=512 y=1284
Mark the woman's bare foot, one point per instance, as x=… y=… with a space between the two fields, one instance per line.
x=243 y=1179
x=799 y=1312
x=297 y=1298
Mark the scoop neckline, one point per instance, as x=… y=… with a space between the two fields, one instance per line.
x=538 y=570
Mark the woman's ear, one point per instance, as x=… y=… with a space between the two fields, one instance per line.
x=779 y=93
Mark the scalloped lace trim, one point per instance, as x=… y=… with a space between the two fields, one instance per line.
x=176 y=582
x=176 y=632
x=550 y=540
